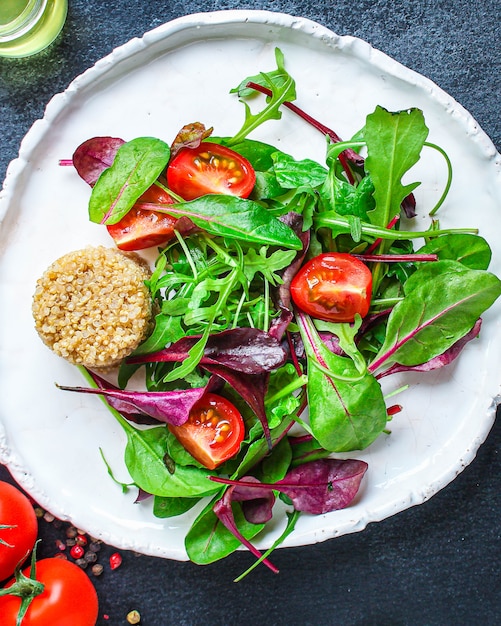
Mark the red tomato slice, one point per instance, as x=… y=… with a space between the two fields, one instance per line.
x=142 y=228
x=213 y=432
x=210 y=168
x=68 y=597
x=333 y=287
x=18 y=528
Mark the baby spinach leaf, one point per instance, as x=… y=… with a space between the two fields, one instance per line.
x=258 y=153
x=470 y=250
x=292 y=174
x=346 y=409
x=170 y=507
x=274 y=466
x=178 y=453
x=394 y=143
x=442 y=303
x=137 y=165
x=208 y=540
x=144 y=457
x=233 y=217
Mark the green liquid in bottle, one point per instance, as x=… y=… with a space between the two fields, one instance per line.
x=28 y=26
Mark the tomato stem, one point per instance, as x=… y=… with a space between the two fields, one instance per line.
x=25 y=588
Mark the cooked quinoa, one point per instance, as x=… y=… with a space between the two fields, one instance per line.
x=92 y=307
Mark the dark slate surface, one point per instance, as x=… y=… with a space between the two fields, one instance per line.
x=435 y=564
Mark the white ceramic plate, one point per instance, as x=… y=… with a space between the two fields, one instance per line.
x=178 y=73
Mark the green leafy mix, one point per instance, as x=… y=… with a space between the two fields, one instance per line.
x=233 y=271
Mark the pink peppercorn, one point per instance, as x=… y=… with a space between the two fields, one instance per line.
x=77 y=551
x=115 y=560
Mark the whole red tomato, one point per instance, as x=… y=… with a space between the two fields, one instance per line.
x=68 y=599
x=18 y=529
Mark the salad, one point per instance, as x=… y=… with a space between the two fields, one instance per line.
x=285 y=291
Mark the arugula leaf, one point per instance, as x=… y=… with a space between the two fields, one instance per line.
x=255 y=262
x=282 y=88
x=346 y=199
x=137 y=165
x=394 y=143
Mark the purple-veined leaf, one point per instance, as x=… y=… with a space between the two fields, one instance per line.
x=125 y=409
x=439 y=361
x=315 y=487
x=136 y=166
x=242 y=357
x=247 y=350
x=324 y=485
x=95 y=155
x=224 y=513
x=347 y=410
x=171 y=407
x=256 y=507
x=443 y=301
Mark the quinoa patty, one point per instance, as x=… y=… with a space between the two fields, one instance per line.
x=92 y=308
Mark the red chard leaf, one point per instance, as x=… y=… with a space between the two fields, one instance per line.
x=224 y=513
x=95 y=155
x=316 y=487
x=321 y=486
x=171 y=407
x=257 y=509
x=125 y=409
x=247 y=350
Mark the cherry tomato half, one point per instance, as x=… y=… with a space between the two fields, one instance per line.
x=142 y=228
x=214 y=430
x=69 y=597
x=19 y=534
x=210 y=168
x=333 y=287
